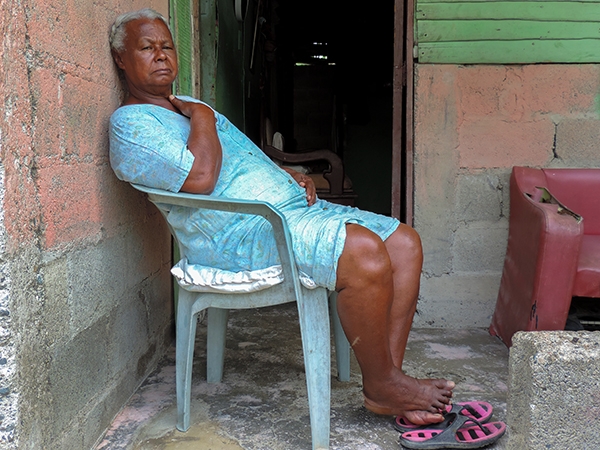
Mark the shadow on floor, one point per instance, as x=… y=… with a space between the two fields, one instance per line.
x=261 y=403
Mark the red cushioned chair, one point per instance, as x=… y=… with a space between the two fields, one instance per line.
x=553 y=251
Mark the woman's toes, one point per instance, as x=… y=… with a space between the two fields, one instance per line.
x=423 y=417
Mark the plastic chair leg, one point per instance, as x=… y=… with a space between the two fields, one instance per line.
x=314 y=327
x=215 y=344
x=184 y=355
x=342 y=346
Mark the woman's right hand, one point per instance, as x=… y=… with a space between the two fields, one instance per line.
x=188 y=109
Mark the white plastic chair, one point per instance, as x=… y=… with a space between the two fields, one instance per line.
x=312 y=310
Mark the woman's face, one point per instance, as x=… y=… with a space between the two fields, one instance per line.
x=149 y=59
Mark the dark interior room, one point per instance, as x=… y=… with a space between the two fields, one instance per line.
x=328 y=84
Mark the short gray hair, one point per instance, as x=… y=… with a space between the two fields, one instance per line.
x=117 y=31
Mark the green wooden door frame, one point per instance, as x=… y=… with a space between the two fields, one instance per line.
x=185 y=24
x=194 y=26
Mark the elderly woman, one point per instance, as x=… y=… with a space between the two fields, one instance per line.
x=372 y=261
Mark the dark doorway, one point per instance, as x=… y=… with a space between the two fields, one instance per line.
x=333 y=87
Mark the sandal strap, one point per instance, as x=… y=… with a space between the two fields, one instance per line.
x=467 y=420
x=462 y=419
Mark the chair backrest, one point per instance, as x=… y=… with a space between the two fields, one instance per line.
x=577 y=189
x=165 y=199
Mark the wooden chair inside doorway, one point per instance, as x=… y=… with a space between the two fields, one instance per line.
x=332 y=183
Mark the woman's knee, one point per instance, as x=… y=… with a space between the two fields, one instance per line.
x=364 y=255
x=405 y=243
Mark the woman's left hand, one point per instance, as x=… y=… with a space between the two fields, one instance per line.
x=306 y=182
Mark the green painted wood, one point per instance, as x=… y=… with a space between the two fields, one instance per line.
x=511 y=52
x=507 y=31
x=477 y=30
x=181 y=24
x=556 y=11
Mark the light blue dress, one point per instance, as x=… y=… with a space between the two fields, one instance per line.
x=148 y=147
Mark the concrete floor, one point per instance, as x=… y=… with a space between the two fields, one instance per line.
x=261 y=403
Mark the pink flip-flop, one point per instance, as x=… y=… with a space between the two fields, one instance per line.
x=460 y=432
x=480 y=411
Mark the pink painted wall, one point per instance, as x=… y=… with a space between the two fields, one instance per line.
x=79 y=200
x=61 y=88
x=472 y=124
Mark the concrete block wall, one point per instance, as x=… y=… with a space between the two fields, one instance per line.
x=554 y=380
x=472 y=125
x=85 y=310
x=8 y=396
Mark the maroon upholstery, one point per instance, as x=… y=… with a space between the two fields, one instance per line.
x=587 y=278
x=579 y=190
x=550 y=256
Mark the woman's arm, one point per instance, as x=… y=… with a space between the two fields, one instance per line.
x=204 y=144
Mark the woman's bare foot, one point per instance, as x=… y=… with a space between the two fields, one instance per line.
x=420 y=401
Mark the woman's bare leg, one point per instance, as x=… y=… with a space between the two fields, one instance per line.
x=368 y=302
x=406 y=256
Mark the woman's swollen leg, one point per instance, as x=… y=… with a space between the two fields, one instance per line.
x=365 y=300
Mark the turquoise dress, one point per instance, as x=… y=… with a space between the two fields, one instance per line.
x=148 y=147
